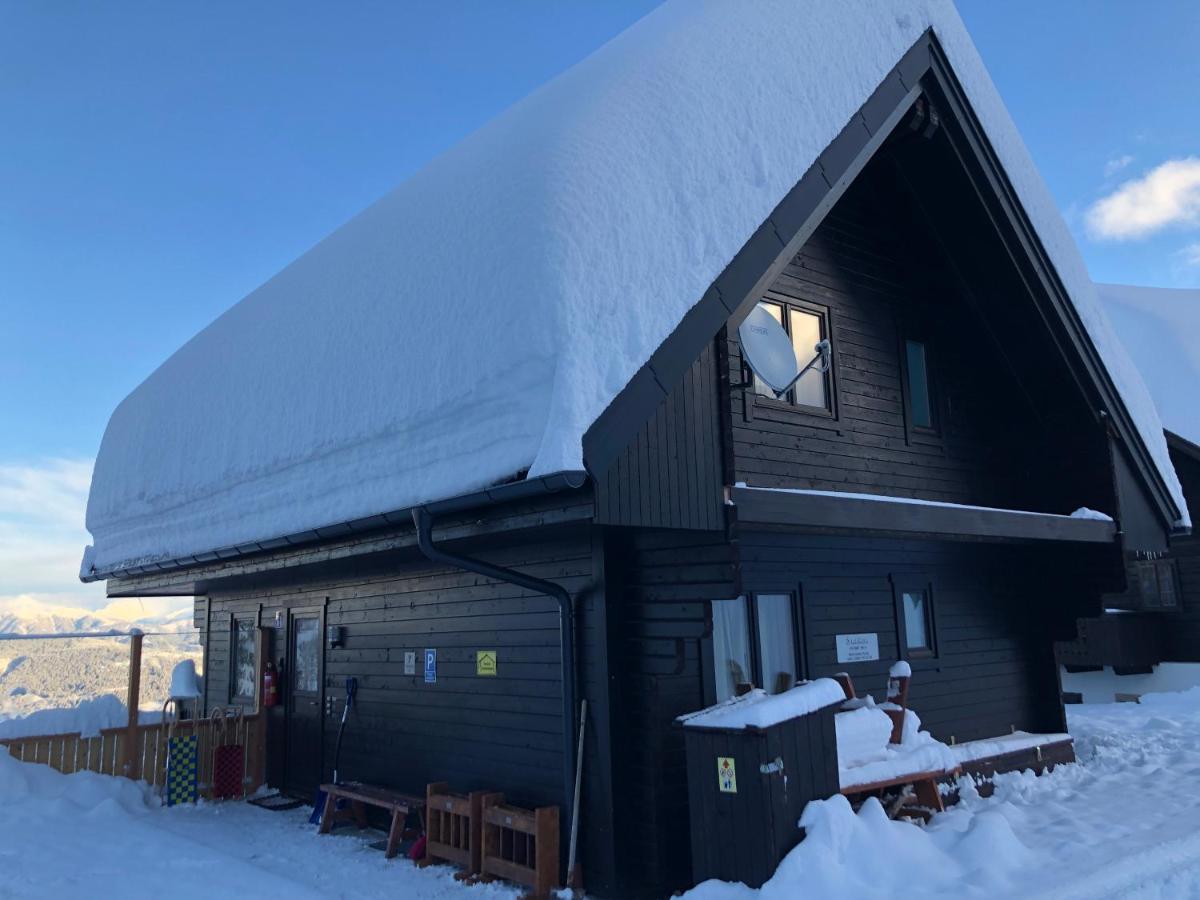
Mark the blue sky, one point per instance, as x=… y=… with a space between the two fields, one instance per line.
x=159 y=161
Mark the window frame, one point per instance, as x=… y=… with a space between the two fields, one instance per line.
x=788 y=403
x=916 y=584
x=911 y=429
x=251 y=619
x=750 y=598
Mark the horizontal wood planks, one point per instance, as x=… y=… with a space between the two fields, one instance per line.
x=883 y=278
x=997 y=608
x=477 y=732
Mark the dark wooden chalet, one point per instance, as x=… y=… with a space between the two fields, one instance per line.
x=1156 y=617
x=720 y=535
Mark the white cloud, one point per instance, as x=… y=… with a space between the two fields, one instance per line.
x=42 y=534
x=1166 y=195
x=1191 y=254
x=1115 y=165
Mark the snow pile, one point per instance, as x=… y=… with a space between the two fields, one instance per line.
x=867 y=855
x=865 y=751
x=82 y=792
x=184 y=683
x=1122 y=823
x=1161 y=329
x=87 y=717
x=356 y=381
x=862 y=736
x=1084 y=513
x=758 y=709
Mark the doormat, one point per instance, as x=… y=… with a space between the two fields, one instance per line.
x=276 y=802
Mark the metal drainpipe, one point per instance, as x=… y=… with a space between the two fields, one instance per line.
x=566 y=632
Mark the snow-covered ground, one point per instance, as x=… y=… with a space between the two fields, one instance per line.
x=1122 y=823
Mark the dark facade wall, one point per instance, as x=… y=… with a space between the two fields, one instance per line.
x=883 y=278
x=670 y=475
x=997 y=610
x=475 y=732
x=660 y=583
x=1183 y=629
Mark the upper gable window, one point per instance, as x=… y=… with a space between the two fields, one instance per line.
x=918 y=394
x=807 y=326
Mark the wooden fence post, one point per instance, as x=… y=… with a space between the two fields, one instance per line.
x=129 y=755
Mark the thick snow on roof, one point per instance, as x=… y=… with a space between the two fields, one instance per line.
x=474 y=322
x=1161 y=329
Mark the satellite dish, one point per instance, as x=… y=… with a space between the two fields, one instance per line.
x=768 y=350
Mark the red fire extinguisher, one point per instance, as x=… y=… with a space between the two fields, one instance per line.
x=270 y=685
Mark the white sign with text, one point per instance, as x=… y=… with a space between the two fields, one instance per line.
x=852 y=648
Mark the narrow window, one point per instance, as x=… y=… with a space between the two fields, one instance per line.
x=244 y=679
x=806 y=331
x=731 y=646
x=916 y=374
x=915 y=620
x=1167 y=575
x=308 y=656
x=776 y=641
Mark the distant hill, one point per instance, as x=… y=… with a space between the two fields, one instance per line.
x=59 y=673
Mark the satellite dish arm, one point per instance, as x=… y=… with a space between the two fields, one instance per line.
x=820 y=362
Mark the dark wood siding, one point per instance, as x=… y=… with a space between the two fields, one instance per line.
x=658 y=632
x=670 y=476
x=1183 y=629
x=997 y=608
x=475 y=732
x=883 y=278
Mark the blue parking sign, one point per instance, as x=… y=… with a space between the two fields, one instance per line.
x=430 y=666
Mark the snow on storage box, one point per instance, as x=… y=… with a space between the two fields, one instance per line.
x=758 y=709
x=476 y=321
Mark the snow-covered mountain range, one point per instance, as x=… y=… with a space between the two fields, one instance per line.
x=60 y=673
x=27 y=615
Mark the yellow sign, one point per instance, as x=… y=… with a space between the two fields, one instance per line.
x=726 y=775
x=485 y=662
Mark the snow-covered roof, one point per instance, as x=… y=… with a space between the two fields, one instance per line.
x=1161 y=329
x=473 y=323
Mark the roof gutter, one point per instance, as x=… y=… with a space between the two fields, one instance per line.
x=566 y=631
x=506 y=492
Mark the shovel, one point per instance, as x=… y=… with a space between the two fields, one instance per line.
x=319 y=799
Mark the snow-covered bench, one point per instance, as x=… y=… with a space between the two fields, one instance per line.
x=881 y=746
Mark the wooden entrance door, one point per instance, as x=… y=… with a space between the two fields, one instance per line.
x=305 y=677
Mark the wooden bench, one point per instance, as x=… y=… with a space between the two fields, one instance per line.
x=359 y=796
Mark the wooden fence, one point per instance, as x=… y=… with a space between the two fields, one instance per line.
x=109 y=752
x=139 y=751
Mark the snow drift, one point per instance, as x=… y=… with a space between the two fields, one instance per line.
x=473 y=323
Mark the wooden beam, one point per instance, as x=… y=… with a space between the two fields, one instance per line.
x=767 y=507
x=129 y=755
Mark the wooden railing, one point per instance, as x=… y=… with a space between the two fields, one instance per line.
x=140 y=751
x=109 y=753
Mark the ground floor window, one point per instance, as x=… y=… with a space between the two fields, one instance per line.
x=754 y=643
x=914 y=617
x=244 y=678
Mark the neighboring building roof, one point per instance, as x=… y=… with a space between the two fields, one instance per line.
x=474 y=323
x=1161 y=329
